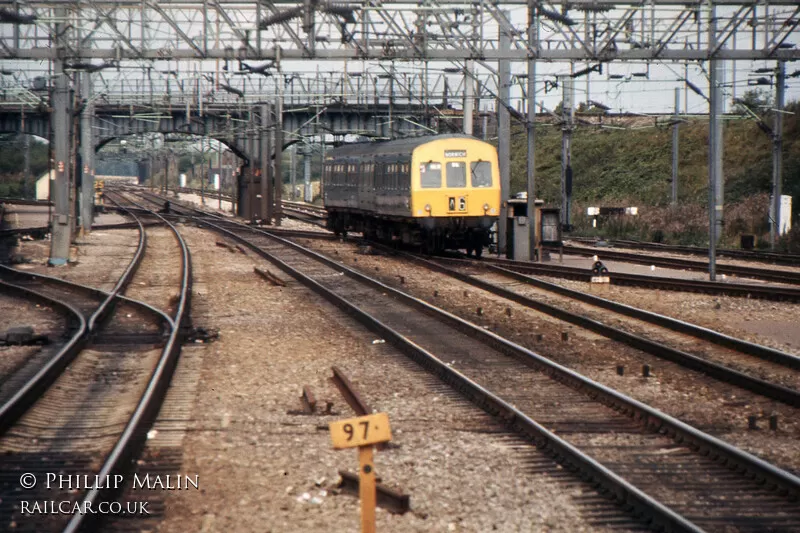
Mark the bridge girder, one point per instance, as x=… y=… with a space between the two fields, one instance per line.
x=229 y=127
x=586 y=30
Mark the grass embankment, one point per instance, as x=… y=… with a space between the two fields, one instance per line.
x=634 y=168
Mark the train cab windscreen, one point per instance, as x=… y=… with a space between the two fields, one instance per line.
x=456 y=174
x=481 y=174
x=430 y=175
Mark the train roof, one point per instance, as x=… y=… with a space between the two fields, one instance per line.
x=397 y=146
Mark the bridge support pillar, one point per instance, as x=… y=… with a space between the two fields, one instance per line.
x=61 y=224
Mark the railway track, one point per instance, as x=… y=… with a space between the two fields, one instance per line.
x=40 y=231
x=765 y=371
x=748 y=255
x=604 y=254
x=746 y=371
x=305 y=212
x=663 y=469
x=317 y=215
x=94 y=418
x=727 y=288
x=299 y=210
x=206 y=193
x=23 y=201
x=91 y=307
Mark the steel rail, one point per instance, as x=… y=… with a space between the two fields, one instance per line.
x=20 y=401
x=305 y=216
x=16 y=231
x=127 y=275
x=351 y=395
x=70 y=284
x=7 y=416
x=721 y=452
x=784 y=481
x=23 y=201
x=693 y=362
x=749 y=348
x=700 y=266
x=46 y=229
x=33 y=388
x=741 y=290
x=780 y=393
x=625 y=493
x=303 y=234
x=759 y=467
x=134 y=435
x=223 y=219
x=304 y=205
x=205 y=193
x=637 y=280
x=750 y=255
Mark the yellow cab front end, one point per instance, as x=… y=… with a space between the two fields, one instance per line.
x=456 y=178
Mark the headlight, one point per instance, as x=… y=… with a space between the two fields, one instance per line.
x=428 y=207
x=485 y=207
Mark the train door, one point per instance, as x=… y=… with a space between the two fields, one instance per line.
x=457 y=192
x=352 y=183
x=365 y=191
x=380 y=184
x=391 y=186
x=405 y=186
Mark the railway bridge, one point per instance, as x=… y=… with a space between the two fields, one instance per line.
x=256 y=132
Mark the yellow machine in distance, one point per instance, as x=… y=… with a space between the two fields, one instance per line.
x=99 y=185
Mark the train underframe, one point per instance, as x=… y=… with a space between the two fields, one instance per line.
x=431 y=234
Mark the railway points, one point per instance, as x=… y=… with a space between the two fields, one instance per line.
x=262 y=361
x=170 y=311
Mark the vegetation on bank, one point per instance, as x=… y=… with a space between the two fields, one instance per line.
x=611 y=167
x=12 y=162
x=633 y=167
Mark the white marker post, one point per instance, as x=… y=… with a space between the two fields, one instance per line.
x=362 y=433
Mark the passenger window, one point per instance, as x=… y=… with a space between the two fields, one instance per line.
x=481 y=174
x=456 y=174
x=430 y=175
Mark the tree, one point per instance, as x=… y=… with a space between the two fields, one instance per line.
x=754 y=99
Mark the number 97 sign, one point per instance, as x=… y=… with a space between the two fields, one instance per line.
x=361 y=431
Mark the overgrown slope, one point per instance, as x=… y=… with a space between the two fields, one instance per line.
x=634 y=168
x=613 y=167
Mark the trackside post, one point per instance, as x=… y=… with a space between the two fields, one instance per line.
x=362 y=433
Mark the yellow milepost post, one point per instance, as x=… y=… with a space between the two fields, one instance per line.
x=362 y=433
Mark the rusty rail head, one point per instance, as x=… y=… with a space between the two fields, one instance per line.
x=352 y=397
x=308 y=400
x=268 y=276
x=393 y=501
